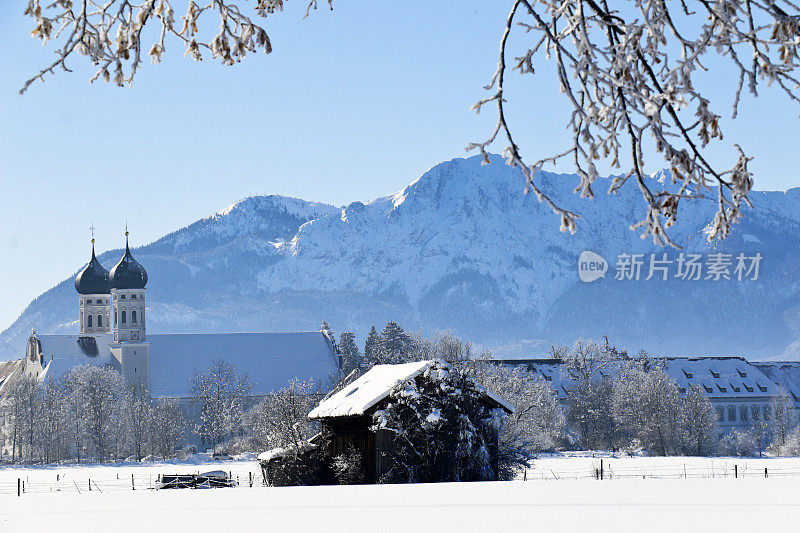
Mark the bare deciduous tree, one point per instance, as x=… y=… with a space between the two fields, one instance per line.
x=281 y=418
x=630 y=74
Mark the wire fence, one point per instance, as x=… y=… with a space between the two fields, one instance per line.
x=64 y=482
x=602 y=470
x=68 y=482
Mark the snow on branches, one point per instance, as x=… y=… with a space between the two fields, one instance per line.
x=112 y=33
x=629 y=76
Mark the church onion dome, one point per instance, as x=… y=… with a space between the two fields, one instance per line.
x=128 y=273
x=93 y=279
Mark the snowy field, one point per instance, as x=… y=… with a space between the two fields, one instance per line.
x=666 y=502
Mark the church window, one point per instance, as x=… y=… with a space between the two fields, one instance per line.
x=99 y=321
x=731 y=413
x=766 y=412
x=720 y=414
x=133 y=316
x=133 y=296
x=123 y=317
x=754 y=412
x=89 y=321
x=121 y=296
x=115 y=318
x=743 y=415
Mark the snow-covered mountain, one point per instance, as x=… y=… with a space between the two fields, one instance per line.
x=462 y=248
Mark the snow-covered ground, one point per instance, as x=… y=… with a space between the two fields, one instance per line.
x=721 y=503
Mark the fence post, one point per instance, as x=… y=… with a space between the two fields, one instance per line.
x=133 y=486
x=90 y=484
x=765 y=471
x=19 y=487
x=601 y=469
x=250 y=475
x=735 y=471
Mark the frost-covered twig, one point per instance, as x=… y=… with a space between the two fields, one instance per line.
x=111 y=33
x=629 y=73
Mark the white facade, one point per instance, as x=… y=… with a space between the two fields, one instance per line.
x=130 y=349
x=128 y=307
x=94 y=313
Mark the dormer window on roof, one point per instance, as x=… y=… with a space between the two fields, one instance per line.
x=714 y=374
x=762 y=389
x=741 y=374
x=735 y=388
x=722 y=389
x=707 y=389
x=687 y=374
x=748 y=389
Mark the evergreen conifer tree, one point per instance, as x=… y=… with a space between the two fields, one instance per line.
x=351 y=357
x=395 y=345
x=370 y=345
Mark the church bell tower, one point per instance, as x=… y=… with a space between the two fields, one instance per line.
x=130 y=347
x=94 y=297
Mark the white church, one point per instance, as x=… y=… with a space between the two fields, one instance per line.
x=112 y=310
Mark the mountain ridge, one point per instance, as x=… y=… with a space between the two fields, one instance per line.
x=460 y=248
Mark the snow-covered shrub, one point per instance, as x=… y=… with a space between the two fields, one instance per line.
x=738 y=442
x=348 y=468
x=790 y=446
x=442 y=428
x=293 y=465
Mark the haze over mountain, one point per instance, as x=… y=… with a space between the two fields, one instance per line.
x=463 y=249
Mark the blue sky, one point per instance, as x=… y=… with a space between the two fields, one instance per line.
x=352 y=104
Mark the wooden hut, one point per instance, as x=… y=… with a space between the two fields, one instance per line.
x=348 y=414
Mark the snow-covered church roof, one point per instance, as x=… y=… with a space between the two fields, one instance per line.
x=271 y=359
x=374 y=386
x=62 y=353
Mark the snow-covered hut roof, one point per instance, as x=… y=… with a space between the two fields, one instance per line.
x=356 y=398
x=785 y=374
x=271 y=359
x=374 y=386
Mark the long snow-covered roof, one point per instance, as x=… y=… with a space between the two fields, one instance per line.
x=719 y=377
x=785 y=374
x=356 y=398
x=271 y=359
x=368 y=390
